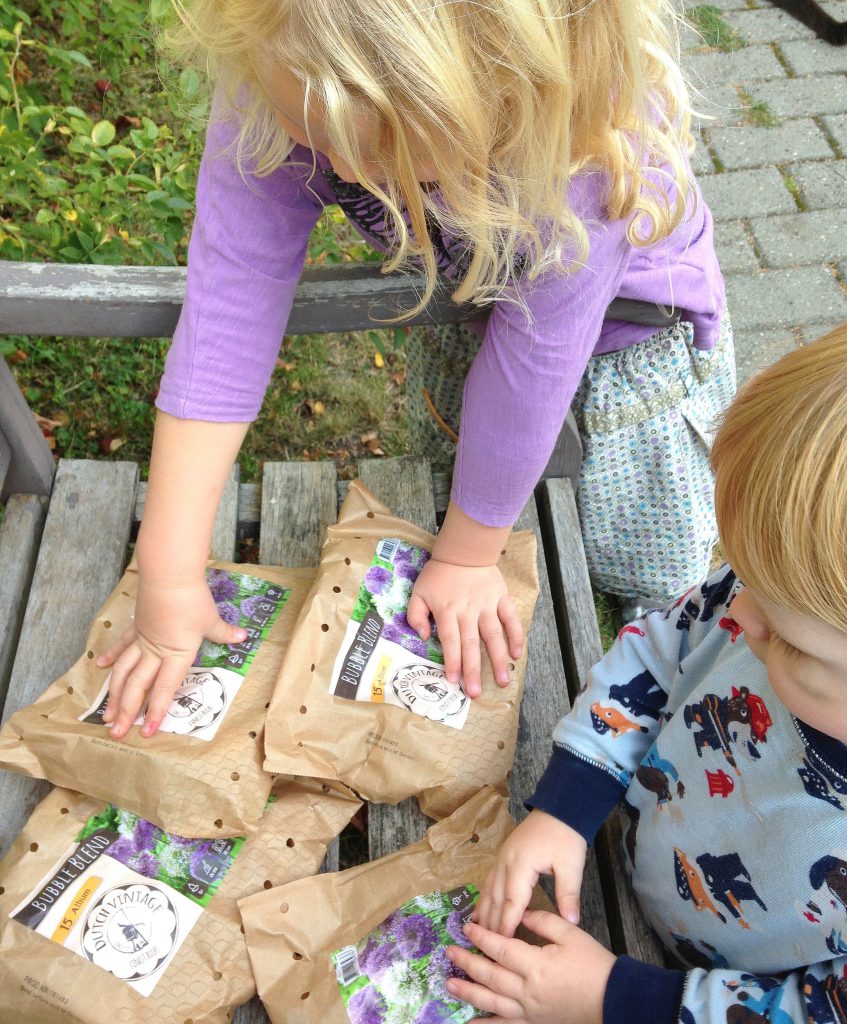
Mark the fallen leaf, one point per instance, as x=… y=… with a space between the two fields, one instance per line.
x=373 y=446
x=295 y=385
x=379 y=362
x=281 y=364
x=368 y=437
x=318 y=408
x=102 y=85
x=18 y=356
x=48 y=425
x=109 y=445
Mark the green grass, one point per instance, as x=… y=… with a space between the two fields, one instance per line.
x=716 y=32
x=757 y=112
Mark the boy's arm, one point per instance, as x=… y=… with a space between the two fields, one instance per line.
x=642 y=994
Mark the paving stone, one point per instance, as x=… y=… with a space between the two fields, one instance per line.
x=823 y=183
x=735 y=252
x=755 y=147
x=754 y=350
x=750 y=193
x=701 y=162
x=798 y=97
x=814 y=57
x=811 y=237
x=719 y=105
x=811 y=332
x=784 y=298
x=837 y=127
x=747 y=64
x=767 y=26
x=724 y=5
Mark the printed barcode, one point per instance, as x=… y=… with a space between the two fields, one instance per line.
x=347 y=968
x=387 y=548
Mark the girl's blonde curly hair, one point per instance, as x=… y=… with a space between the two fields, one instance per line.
x=510 y=98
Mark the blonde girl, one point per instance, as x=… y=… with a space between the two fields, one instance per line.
x=534 y=153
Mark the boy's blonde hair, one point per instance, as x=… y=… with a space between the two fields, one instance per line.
x=780 y=462
x=510 y=97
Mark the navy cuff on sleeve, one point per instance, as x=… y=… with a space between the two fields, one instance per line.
x=576 y=792
x=639 y=993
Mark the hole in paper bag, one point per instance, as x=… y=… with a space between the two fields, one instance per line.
x=235 y=776
x=242 y=929
x=346 y=561
x=2 y=890
x=283 y=908
x=336 y=590
x=70 y=689
x=89 y=655
x=267 y=705
x=267 y=884
x=107 y=624
x=500 y=745
x=218 y=823
x=63 y=810
x=289 y=842
x=303 y=709
x=252 y=734
x=324 y=788
x=370 y=515
x=312 y=669
x=324 y=627
x=475 y=838
x=512 y=665
x=306 y=994
x=297 y=956
x=33 y=847
x=217 y=975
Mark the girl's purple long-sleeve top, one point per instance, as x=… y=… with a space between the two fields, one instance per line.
x=247 y=251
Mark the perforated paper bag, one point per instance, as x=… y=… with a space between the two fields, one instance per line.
x=362 y=699
x=337 y=947
x=103 y=917
x=202 y=774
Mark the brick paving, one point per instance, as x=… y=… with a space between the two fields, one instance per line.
x=772 y=163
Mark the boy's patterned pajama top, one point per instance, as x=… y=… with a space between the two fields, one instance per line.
x=737 y=837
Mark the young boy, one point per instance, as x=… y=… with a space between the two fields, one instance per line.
x=721 y=722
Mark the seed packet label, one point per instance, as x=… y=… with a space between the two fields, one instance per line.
x=382 y=660
x=209 y=687
x=126 y=894
x=399 y=970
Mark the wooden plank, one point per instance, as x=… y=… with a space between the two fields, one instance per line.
x=566 y=459
x=20 y=533
x=81 y=558
x=5 y=460
x=298 y=503
x=405 y=486
x=85 y=300
x=30 y=470
x=545 y=700
x=574 y=603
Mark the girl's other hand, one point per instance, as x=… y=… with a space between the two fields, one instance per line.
x=540 y=845
x=467 y=602
x=155 y=652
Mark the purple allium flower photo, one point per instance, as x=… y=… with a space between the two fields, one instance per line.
x=438 y=969
x=455 y=924
x=250 y=605
x=415 y=936
x=377 y=579
x=122 y=850
x=405 y=638
x=367 y=1007
x=197 y=856
x=145 y=863
x=221 y=585
x=228 y=612
x=144 y=835
x=434 y=1013
x=375 y=958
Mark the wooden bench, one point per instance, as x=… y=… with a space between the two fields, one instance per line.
x=63 y=548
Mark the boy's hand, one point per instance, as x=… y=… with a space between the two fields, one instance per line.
x=467 y=602
x=540 y=845
x=561 y=983
x=157 y=650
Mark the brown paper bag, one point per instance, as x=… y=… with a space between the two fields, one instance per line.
x=293 y=931
x=372 y=731
x=203 y=974
x=205 y=777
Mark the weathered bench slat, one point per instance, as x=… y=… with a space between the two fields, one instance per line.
x=81 y=300
x=405 y=486
x=298 y=503
x=630 y=933
x=82 y=555
x=29 y=468
x=20 y=534
x=225 y=529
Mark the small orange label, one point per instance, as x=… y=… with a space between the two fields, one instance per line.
x=72 y=914
x=378 y=684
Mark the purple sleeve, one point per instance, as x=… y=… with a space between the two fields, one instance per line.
x=521 y=383
x=247 y=250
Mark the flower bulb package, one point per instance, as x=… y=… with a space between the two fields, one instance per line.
x=201 y=774
x=361 y=698
x=368 y=944
x=102 y=914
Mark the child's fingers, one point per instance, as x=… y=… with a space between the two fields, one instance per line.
x=547 y=926
x=517 y=894
x=483 y=999
x=110 y=656
x=500 y=983
x=417 y=615
x=508 y=614
x=471 y=674
x=487 y=911
x=492 y=634
x=512 y=955
x=124 y=664
x=448 y=633
x=168 y=680
x=567 y=899
x=134 y=693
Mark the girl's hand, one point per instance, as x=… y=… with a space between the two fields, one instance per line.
x=561 y=983
x=467 y=602
x=540 y=845
x=157 y=650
